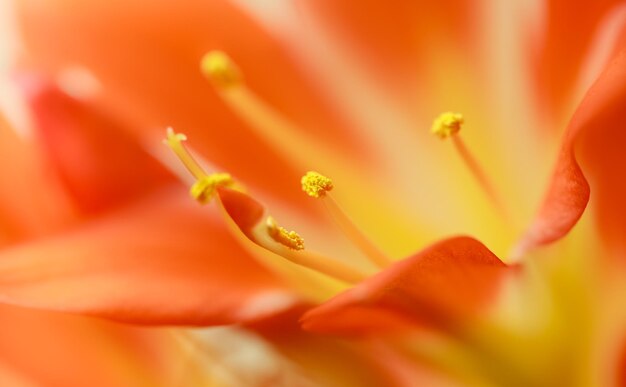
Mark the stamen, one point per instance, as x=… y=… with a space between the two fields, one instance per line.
x=221 y=70
x=448 y=125
x=291 y=247
x=174 y=142
x=278 y=130
x=289 y=239
x=315 y=184
x=287 y=244
x=203 y=190
x=318 y=186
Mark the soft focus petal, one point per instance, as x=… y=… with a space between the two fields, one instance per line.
x=564 y=48
x=93 y=154
x=398 y=41
x=162 y=261
x=24 y=210
x=334 y=362
x=596 y=131
x=439 y=287
x=57 y=350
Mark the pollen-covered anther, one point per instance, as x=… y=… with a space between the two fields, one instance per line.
x=289 y=239
x=447 y=124
x=203 y=190
x=220 y=69
x=315 y=184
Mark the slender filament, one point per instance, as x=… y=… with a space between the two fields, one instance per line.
x=354 y=234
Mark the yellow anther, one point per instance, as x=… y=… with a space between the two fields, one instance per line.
x=447 y=124
x=203 y=190
x=315 y=184
x=289 y=239
x=220 y=69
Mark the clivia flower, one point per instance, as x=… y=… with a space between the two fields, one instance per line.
x=526 y=299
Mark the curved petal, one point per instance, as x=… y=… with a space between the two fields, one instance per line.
x=93 y=154
x=596 y=131
x=57 y=350
x=159 y=262
x=149 y=68
x=438 y=287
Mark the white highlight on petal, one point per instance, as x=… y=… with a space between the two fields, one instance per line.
x=267 y=303
x=79 y=82
x=600 y=51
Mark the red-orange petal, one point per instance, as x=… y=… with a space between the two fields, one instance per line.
x=596 y=134
x=166 y=260
x=99 y=162
x=438 y=287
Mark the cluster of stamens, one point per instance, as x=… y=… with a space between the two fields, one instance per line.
x=227 y=78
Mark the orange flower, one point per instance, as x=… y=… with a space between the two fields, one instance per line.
x=299 y=97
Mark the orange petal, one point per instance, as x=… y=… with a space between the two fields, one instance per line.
x=438 y=287
x=596 y=130
x=57 y=350
x=562 y=52
x=398 y=39
x=32 y=201
x=163 y=261
x=93 y=154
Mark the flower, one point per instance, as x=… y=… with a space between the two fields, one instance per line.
x=529 y=319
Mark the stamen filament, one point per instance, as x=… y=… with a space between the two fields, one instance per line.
x=319 y=186
x=353 y=233
x=175 y=142
x=325 y=265
x=449 y=124
x=279 y=131
x=477 y=171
